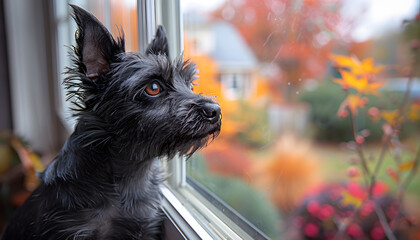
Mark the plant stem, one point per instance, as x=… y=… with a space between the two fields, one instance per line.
x=382 y=218
x=378 y=165
x=404 y=184
x=359 y=147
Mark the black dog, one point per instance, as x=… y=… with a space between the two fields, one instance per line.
x=133 y=109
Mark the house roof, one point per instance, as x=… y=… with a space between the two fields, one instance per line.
x=230 y=49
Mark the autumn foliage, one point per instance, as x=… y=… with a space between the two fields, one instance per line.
x=297 y=37
x=359 y=80
x=287 y=175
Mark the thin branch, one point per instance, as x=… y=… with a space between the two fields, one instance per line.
x=378 y=165
x=382 y=218
x=358 y=146
x=404 y=184
x=343 y=225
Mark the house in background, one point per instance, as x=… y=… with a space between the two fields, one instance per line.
x=235 y=61
x=240 y=74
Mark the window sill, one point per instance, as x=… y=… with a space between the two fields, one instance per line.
x=197 y=214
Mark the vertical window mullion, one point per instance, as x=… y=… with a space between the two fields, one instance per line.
x=146 y=17
x=168 y=14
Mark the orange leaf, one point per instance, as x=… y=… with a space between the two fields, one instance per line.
x=405 y=166
x=353 y=102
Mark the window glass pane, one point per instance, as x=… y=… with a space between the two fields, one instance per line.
x=316 y=131
x=118 y=15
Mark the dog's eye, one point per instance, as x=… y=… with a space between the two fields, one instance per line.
x=153 y=89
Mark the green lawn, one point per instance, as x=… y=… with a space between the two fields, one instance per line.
x=335 y=162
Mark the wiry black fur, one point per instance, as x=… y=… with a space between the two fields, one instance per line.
x=104 y=183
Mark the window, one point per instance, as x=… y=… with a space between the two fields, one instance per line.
x=306 y=107
x=295 y=127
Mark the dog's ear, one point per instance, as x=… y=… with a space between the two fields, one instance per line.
x=96 y=48
x=159 y=45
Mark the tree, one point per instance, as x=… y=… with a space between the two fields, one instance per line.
x=295 y=36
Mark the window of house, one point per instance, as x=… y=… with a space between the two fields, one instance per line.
x=319 y=133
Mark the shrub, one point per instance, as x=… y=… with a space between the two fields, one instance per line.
x=249 y=202
x=326 y=99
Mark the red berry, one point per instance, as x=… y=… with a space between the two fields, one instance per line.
x=345 y=87
x=360 y=140
x=365 y=133
x=353 y=172
x=342 y=113
x=415 y=44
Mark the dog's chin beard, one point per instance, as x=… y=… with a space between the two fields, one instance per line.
x=198 y=141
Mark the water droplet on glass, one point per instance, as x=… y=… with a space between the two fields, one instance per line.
x=288 y=83
x=297 y=92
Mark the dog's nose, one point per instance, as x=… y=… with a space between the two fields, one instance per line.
x=211 y=111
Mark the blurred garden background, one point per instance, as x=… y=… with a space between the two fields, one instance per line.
x=320 y=103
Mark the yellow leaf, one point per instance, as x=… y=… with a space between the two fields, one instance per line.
x=366 y=67
x=373 y=87
x=391 y=116
x=349 y=80
x=414 y=112
x=344 y=61
x=406 y=166
x=349 y=199
x=36 y=162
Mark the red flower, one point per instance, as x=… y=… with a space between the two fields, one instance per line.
x=367 y=208
x=311 y=230
x=377 y=233
x=379 y=189
x=325 y=212
x=356 y=191
x=354 y=230
x=313 y=207
x=392 y=211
